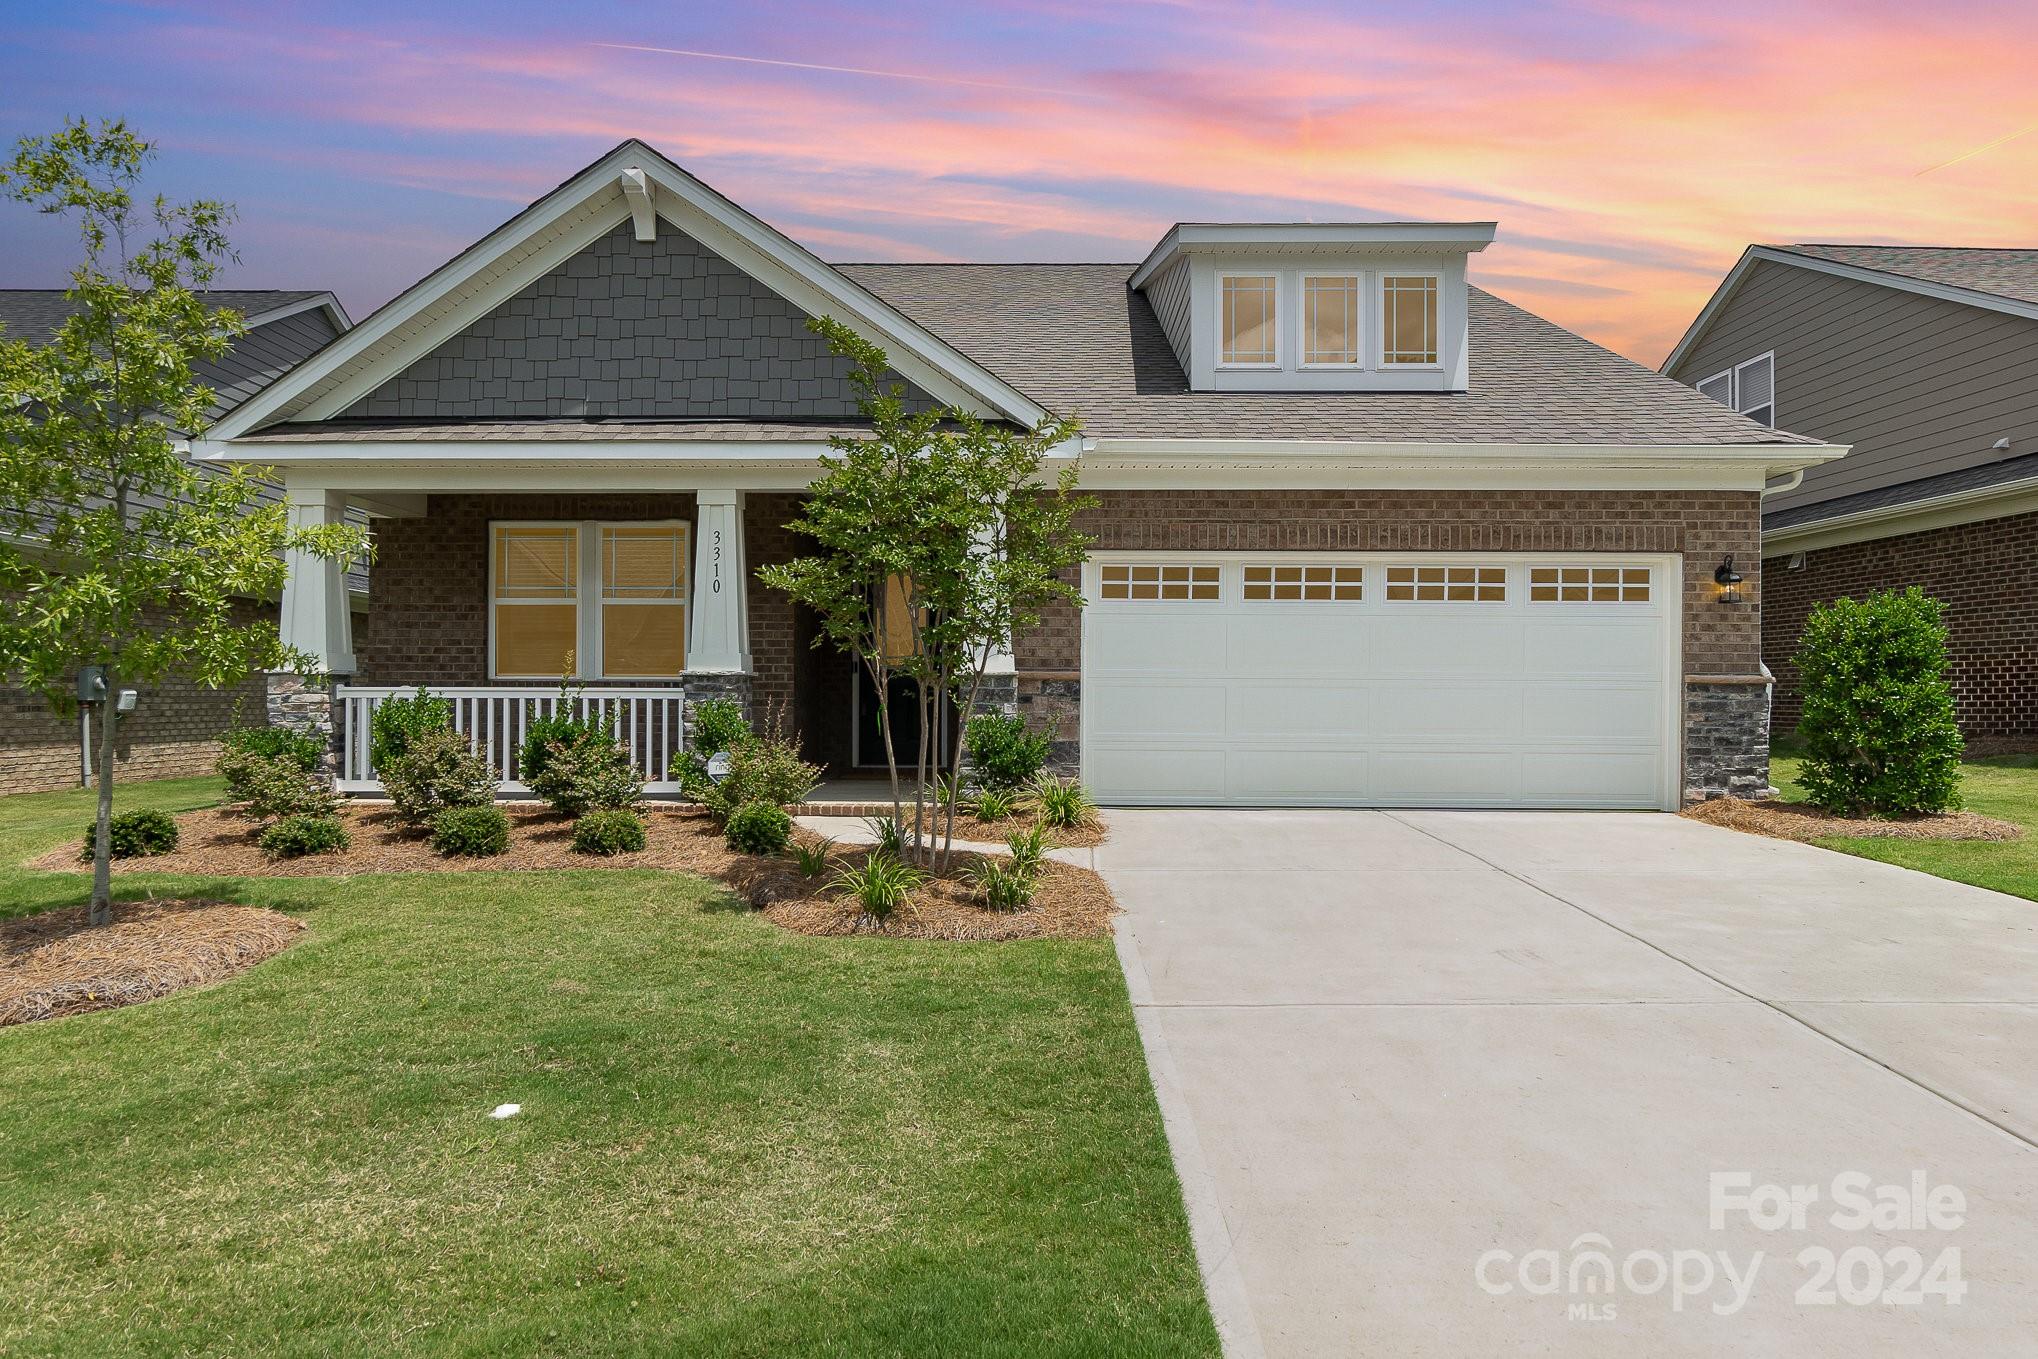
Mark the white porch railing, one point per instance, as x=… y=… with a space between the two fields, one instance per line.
x=650 y=723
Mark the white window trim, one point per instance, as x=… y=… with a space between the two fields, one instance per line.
x=587 y=597
x=1728 y=374
x=1739 y=409
x=1359 y=339
x=1280 y=361
x=1379 y=354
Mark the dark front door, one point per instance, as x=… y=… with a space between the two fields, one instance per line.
x=870 y=737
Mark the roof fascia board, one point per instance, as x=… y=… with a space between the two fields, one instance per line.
x=1754 y=254
x=1916 y=516
x=543 y=216
x=1787 y=457
x=1191 y=237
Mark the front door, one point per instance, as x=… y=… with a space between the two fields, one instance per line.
x=869 y=751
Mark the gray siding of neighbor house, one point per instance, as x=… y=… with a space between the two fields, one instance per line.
x=1917 y=385
x=264 y=354
x=633 y=329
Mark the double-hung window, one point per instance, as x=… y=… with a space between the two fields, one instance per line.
x=1749 y=388
x=588 y=600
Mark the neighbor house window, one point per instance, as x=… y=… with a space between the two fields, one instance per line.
x=1408 y=309
x=1749 y=388
x=1249 y=319
x=596 y=601
x=1330 y=320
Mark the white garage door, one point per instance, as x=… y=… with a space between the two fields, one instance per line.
x=1433 y=680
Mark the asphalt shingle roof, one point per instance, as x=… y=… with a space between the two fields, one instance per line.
x=1075 y=339
x=2004 y=473
x=2010 y=273
x=33 y=314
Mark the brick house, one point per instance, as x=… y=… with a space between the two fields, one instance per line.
x=176 y=725
x=1366 y=535
x=1925 y=361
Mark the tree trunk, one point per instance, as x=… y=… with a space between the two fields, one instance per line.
x=969 y=706
x=102 y=833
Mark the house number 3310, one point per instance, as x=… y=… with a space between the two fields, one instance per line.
x=715 y=572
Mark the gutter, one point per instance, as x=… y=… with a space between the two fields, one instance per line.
x=1952 y=501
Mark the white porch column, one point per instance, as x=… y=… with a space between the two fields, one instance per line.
x=1000 y=662
x=315 y=616
x=720 y=633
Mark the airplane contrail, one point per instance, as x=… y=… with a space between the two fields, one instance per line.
x=1970 y=155
x=841 y=70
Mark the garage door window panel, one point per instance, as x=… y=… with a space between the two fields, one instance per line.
x=1176 y=581
x=1447 y=584
x=1305 y=583
x=1589 y=585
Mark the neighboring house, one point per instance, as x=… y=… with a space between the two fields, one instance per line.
x=1925 y=360
x=176 y=725
x=1367 y=535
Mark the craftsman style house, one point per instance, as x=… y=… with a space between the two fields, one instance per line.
x=1925 y=360
x=1367 y=534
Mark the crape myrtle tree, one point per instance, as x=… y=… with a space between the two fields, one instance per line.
x=937 y=537
x=114 y=549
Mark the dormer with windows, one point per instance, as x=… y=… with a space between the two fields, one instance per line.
x=1279 y=307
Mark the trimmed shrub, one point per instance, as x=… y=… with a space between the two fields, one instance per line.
x=399 y=722
x=1002 y=753
x=541 y=734
x=296 y=836
x=474 y=832
x=608 y=830
x=1878 y=728
x=716 y=725
x=134 y=835
x=765 y=769
x=277 y=743
x=437 y=772
x=274 y=780
x=588 y=770
x=759 y=828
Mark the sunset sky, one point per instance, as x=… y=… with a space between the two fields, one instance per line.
x=1628 y=149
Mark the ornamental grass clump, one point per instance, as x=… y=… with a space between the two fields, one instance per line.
x=1064 y=803
x=1878 y=726
x=1003 y=886
x=880 y=884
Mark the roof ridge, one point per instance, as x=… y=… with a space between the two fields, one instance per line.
x=1877 y=245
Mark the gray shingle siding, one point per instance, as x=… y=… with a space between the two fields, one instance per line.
x=635 y=329
x=1919 y=386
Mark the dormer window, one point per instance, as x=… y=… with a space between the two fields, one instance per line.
x=1330 y=320
x=1408 y=309
x=1251 y=320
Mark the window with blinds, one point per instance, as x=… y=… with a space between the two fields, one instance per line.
x=589 y=601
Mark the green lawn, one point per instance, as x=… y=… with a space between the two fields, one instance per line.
x=735 y=1141
x=2005 y=787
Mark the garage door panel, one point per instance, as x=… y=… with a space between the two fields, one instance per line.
x=1135 y=709
x=1458 y=642
x=1299 y=712
x=1524 y=700
x=1298 y=775
x=1597 y=712
x=1597 y=648
x=1155 y=641
x=1293 y=643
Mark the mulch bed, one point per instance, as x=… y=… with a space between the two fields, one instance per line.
x=968 y=827
x=56 y=964
x=1072 y=903
x=1801 y=821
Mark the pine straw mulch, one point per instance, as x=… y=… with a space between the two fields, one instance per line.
x=968 y=827
x=1802 y=821
x=1072 y=903
x=55 y=964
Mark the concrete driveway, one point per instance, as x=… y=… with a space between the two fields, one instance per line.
x=1424 y=1071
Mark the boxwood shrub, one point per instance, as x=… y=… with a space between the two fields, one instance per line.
x=296 y=836
x=759 y=828
x=134 y=835
x=608 y=830
x=475 y=832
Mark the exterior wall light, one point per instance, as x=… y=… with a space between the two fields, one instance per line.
x=1728 y=581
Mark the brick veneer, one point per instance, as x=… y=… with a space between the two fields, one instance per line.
x=1985 y=573
x=174 y=730
x=1720 y=641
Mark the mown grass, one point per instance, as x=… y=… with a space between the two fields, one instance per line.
x=2001 y=786
x=734 y=1140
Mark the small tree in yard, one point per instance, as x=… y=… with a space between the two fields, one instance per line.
x=1878 y=723
x=938 y=539
x=114 y=549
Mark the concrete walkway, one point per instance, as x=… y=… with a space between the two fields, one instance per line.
x=1402 y=1052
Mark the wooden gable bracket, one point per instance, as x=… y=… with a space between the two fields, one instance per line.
x=643 y=211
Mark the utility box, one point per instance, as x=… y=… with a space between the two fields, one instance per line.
x=91 y=684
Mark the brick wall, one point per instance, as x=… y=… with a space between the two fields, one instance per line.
x=1987 y=576
x=173 y=731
